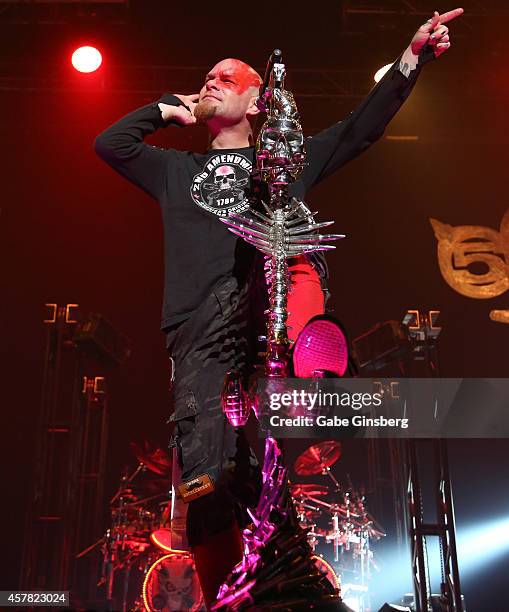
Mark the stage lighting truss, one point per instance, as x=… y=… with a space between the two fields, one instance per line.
x=416 y=8
x=52 y=12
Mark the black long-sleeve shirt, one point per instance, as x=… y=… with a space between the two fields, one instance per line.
x=194 y=189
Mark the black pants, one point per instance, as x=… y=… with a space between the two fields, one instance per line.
x=218 y=336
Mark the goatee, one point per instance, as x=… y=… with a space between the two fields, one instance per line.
x=204 y=111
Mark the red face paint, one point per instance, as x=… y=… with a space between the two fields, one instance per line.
x=234 y=75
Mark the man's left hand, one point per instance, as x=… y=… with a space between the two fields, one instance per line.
x=434 y=33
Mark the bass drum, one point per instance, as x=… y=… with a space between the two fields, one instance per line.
x=171 y=585
x=330 y=574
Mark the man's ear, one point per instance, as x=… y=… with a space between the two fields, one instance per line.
x=252 y=110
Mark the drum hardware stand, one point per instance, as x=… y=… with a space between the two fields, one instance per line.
x=277 y=567
x=108 y=567
x=352 y=526
x=125 y=481
x=131 y=547
x=109 y=541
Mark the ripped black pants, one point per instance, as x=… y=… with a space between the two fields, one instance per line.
x=217 y=337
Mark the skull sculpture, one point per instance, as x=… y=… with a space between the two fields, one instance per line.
x=280 y=145
x=224 y=178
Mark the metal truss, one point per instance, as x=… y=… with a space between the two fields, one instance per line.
x=360 y=16
x=443 y=528
x=473 y=8
x=150 y=80
x=56 y=12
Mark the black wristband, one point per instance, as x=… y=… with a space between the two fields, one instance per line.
x=171 y=99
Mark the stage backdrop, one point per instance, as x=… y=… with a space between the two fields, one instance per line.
x=74 y=232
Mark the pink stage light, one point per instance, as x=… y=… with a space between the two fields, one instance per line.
x=86 y=59
x=321 y=346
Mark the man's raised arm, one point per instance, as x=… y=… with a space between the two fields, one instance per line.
x=338 y=144
x=122 y=145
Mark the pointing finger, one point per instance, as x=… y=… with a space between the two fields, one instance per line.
x=445 y=17
x=433 y=22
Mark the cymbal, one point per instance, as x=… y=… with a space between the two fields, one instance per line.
x=308 y=514
x=127 y=495
x=300 y=489
x=156 y=460
x=318 y=457
x=317 y=532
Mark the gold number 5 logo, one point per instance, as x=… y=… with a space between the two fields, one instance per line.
x=464 y=245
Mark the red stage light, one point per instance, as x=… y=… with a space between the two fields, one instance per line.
x=86 y=59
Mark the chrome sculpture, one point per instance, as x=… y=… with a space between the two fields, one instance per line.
x=288 y=228
x=277 y=568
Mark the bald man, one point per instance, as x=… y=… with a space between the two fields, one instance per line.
x=214 y=292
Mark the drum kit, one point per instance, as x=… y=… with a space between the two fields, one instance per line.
x=140 y=569
x=142 y=572
x=340 y=529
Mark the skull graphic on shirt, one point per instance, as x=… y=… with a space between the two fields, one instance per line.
x=221 y=187
x=224 y=177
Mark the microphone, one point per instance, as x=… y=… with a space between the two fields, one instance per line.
x=276 y=57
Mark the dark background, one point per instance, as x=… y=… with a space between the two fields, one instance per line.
x=73 y=231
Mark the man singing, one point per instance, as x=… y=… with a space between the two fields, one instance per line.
x=212 y=298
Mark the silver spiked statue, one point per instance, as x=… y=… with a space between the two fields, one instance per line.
x=277 y=568
x=288 y=228
x=285 y=231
